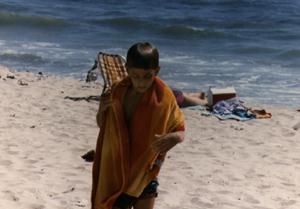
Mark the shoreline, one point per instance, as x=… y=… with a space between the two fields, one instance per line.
x=251 y=102
x=220 y=165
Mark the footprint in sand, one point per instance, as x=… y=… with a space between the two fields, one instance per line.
x=36 y=206
x=81 y=203
x=288 y=132
x=235 y=179
x=196 y=201
x=5 y=162
x=12 y=152
x=265 y=186
x=288 y=184
x=296 y=160
x=286 y=115
x=224 y=192
x=63 y=202
x=237 y=128
x=251 y=199
x=69 y=174
x=162 y=192
x=10 y=195
x=296 y=126
x=12 y=145
x=289 y=203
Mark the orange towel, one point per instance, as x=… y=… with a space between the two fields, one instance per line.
x=124 y=159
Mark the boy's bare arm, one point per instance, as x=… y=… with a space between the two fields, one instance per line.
x=164 y=143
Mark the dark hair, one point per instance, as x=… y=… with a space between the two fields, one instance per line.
x=142 y=55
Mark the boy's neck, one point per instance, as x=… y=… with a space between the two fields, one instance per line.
x=134 y=92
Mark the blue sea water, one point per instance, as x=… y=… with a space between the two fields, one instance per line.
x=252 y=45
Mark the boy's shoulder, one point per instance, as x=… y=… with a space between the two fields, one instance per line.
x=120 y=84
x=163 y=89
x=163 y=85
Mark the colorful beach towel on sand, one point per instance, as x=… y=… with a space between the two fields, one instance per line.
x=124 y=160
x=232 y=109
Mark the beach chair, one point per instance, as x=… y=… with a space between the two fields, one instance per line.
x=111 y=67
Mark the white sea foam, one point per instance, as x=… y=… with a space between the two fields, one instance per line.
x=195 y=28
x=174 y=59
x=39 y=45
x=9 y=51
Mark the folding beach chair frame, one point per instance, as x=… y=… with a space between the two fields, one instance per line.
x=112 y=69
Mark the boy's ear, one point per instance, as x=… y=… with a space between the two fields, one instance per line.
x=157 y=70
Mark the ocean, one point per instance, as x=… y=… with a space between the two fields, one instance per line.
x=252 y=45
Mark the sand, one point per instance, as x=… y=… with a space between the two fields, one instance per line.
x=220 y=165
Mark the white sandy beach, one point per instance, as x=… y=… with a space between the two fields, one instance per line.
x=221 y=165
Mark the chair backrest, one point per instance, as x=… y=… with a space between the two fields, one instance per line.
x=112 y=68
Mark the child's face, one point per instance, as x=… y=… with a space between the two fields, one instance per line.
x=142 y=79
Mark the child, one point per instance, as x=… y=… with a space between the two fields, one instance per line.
x=139 y=122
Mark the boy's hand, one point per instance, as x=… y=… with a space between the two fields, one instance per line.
x=164 y=143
